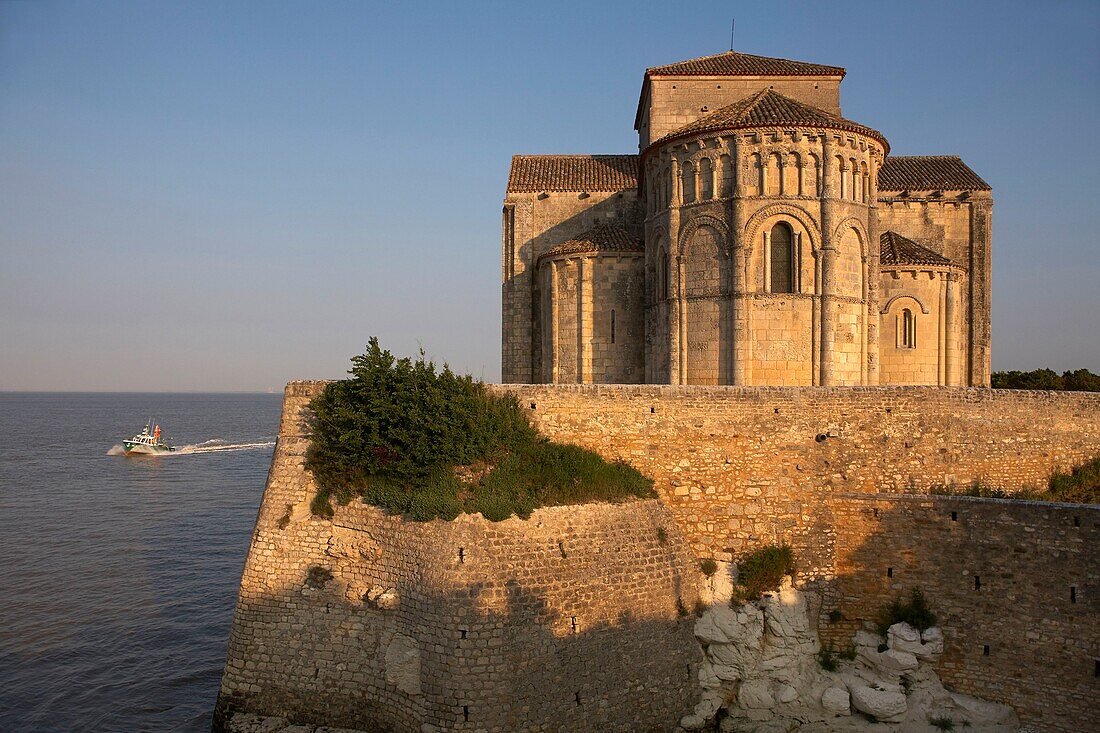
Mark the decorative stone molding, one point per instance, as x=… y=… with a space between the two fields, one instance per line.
x=803 y=217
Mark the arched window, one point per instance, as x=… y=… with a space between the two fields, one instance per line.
x=688 y=174
x=727 y=176
x=781 y=277
x=706 y=179
x=907 y=330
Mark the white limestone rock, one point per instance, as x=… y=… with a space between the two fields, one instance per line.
x=785 y=615
x=894 y=661
x=836 y=701
x=755 y=694
x=786 y=694
x=904 y=638
x=931 y=644
x=883 y=705
x=724 y=625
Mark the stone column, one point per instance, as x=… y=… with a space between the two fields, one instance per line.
x=941 y=335
x=950 y=342
x=673 y=271
x=584 y=320
x=870 y=312
x=829 y=215
x=553 y=356
x=741 y=345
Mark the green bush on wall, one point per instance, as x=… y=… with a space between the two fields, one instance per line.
x=762 y=571
x=397 y=430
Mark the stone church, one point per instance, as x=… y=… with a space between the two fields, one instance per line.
x=758 y=238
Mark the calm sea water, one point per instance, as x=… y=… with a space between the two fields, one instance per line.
x=118 y=575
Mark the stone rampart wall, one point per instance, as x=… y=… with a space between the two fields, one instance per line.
x=1015 y=586
x=744 y=466
x=571 y=620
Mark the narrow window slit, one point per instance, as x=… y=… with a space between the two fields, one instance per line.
x=577 y=697
x=462 y=554
x=466 y=713
x=561 y=548
x=532 y=405
x=889 y=572
x=1077 y=521
x=954 y=516
x=1073 y=594
x=874 y=512
x=977 y=582
x=462 y=633
x=612 y=325
x=985 y=650
x=573 y=623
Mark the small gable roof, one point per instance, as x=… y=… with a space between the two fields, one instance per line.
x=769 y=108
x=735 y=63
x=600 y=238
x=928 y=173
x=895 y=249
x=573 y=173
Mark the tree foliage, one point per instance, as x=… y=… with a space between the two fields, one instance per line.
x=397 y=429
x=1079 y=380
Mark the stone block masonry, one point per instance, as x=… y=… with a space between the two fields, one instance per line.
x=1015 y=586
x=571 y=620
x=744 y=466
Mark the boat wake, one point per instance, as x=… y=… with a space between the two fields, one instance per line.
x=216 y=445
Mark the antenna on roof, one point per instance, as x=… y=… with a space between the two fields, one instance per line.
x=733 y=27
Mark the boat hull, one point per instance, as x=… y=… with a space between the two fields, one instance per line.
x=142 y=449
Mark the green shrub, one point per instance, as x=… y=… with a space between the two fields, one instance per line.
x=835 y=616
x=942 y=722
x=827 y=658
x=709 y=566
x=914 y=612
x=762 y=571
x=396 y=430
x=1081 y=485
x=848 y=653
x=662 y=535
x=906 y=684
x=700 y=607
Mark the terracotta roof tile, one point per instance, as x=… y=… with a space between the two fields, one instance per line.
x=735 y=63
x=769 y=108
x=573 y=173
x=928 y=173
x=600 y=238
x=895 y=249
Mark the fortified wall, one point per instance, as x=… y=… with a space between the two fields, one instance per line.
x=572 y=619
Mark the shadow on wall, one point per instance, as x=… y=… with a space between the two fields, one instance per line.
x=1014 y=586
x=407 y=656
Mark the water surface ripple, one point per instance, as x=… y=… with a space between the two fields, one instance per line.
x=118 y=575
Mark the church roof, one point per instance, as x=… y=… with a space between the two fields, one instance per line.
x=600 y=238
x=573 y=173
x=895 y=249
x=735 y=63
x=928 y=173
x=768 y=108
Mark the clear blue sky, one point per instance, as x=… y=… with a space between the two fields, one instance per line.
x=227 y=196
